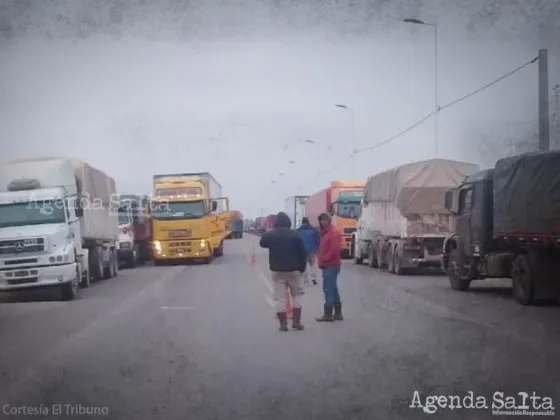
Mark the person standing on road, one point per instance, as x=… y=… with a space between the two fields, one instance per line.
x=329 y=262
x=311 y=238
x=287 y=259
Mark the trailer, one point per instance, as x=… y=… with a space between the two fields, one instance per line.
x=403 y=221
x=58 y=225
x=295 y=209
x=508 y=226
x=237 y=225
x=135 y=233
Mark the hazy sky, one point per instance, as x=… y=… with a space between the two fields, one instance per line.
x=240 y=103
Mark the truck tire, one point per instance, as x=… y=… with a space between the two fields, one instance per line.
x=240 y=235
x=372 y=256
x=455 y=272
x=96 y=263
x=358 y=259
x=522 y=280
x=134 y=258
x=379 y=256
x=391 y=259
x=219 y=251
x=397 y=266
x=69 y=291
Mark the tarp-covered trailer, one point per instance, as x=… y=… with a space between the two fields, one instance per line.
x=295 y=209
x=403 y=217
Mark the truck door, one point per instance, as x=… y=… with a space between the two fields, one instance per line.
x=464 y=223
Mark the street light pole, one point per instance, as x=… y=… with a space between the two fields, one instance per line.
x=353 y=122
x=436 y=80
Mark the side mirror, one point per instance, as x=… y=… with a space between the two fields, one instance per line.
x=451 y=201
x=79 y=212
x=214 y=205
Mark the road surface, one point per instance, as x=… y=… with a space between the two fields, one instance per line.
x=201 y=342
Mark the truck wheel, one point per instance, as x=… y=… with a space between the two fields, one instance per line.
x=358 y=259
x=97 y=268
x=134 y=257
x=397 y=269
x=114 y=264
x=218 y=252
x=85 y=279
x=240 y=236
x=69 y=290
x=379 y=254
x=522 y=280
x=372 y=256
x=391 y=259
x=455 y=273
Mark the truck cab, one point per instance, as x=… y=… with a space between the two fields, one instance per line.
x=345 y=211
x=40 y=240
x=126 y=248
x=471 y=253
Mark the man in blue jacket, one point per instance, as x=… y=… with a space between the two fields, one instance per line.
x=311 y=238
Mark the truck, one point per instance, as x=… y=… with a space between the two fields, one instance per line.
x=58 y=225
x=295 y=208
x=135 y=236
x=269 y=222
x=190 y=218
x=236 y=225
x=508 y=226
x=341 y=200
x=260 y=227
x=403 y=222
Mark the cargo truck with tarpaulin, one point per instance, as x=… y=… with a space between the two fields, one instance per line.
x=508 y=226
x=341 y=200
x=58 y=225
x=403 y=221
x=295 y=209
x=190 y=218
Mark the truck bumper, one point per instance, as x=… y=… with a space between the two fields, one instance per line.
x=32 y=277
x=180 y=250
x=125 y=254
x=346 y=246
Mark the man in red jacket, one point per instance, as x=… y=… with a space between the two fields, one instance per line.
x=329 y=262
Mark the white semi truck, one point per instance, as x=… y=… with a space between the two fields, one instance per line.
x=403 y=221
x=58 y=225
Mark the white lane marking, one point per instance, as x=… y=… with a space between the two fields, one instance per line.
x=270 y=301
x=183 y=308
x=265 y=280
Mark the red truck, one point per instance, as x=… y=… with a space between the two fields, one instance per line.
x=269 y=222
x=135 y=233
x=260 y=225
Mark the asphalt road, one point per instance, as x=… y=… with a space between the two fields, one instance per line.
x=201 y=342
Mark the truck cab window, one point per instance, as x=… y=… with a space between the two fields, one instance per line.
x=465 y=200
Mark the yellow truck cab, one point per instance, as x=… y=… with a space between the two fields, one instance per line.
x=190 y=219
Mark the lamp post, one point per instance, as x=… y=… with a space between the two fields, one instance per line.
x=351 y=110
x=436 y=99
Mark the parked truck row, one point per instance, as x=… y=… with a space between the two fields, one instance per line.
x=63 y=225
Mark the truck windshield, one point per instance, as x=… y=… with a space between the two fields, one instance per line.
x=180 y=211
x=32 y=213
x=124 y=218
x=347 y=210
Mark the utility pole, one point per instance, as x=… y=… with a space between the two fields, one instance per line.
x=556 y=116
x=544 y=118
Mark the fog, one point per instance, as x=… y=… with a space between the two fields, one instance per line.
x=248 y=92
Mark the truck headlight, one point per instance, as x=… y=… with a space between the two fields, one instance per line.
x=157 y=246
x=202 y=243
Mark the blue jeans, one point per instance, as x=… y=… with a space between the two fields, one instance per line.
x=330 y=284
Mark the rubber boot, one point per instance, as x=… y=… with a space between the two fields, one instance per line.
x=296 y=319
x=283 y=319
x=338 y=311
x=328 y=315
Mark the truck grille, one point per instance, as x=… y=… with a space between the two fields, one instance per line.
x=349 y=231
x=18 y=246
x=186 y=233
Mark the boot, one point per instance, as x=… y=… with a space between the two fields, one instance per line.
x=338 y=311
x=296 y=319
x=327 y=316
x=283 y=319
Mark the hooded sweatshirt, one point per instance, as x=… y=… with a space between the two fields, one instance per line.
x=310 y=236
x=286 y=251
x=330 y=247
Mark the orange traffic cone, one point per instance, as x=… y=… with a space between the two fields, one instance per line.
x=253 y=258
x=288 y=303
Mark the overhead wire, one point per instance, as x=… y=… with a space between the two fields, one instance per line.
x=410 y=127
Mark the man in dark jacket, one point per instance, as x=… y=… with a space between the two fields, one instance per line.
x=311 y=239
x=287 y=260
x=329 y=262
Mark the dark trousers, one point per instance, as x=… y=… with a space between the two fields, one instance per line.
x=330 y=284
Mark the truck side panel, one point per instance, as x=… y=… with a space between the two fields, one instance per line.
x=317 y=204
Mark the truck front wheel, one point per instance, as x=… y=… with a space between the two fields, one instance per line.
x=357 y=253
x=456 y=272
x=372 y=256
x=69 y=290
x=522 y=279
